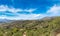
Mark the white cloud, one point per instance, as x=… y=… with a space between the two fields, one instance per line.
x=14 y=10
x=2 y=17
x=22 y=16
x=4 y=8
x=17 y=16
x=29 y=10
x=54 y=9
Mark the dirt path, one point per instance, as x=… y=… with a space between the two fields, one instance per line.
x=24 y=34
x=58 y=34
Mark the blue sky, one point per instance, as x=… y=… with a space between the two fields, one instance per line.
x=28 y=9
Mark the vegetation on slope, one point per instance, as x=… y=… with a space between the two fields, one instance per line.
x=46 y=27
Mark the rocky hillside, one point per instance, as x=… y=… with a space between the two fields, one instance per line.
x=48 y=26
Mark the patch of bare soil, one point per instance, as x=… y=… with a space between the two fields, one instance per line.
x=24 y=34
x=58 y=34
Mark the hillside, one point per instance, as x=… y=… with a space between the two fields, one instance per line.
x=48 y=26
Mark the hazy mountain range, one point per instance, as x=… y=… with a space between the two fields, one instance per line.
x=7 y=20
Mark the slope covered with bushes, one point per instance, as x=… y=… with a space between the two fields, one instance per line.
x=43 y=27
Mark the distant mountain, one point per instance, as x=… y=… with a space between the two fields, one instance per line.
x=21 y=21
x=5 y=20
